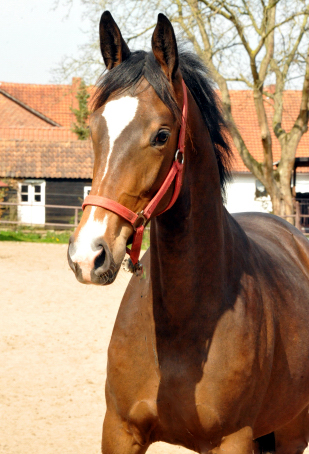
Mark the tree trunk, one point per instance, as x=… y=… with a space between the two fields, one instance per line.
x=282 y=201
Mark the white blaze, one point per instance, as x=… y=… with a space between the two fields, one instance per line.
x=118 y=114
x=85 y=250
x=92 y=230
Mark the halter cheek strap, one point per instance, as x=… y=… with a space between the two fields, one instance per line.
x=139 y=220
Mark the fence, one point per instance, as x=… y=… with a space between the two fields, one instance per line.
x=301 y=215
x=5 y=218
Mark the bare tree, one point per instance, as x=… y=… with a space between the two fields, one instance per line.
x=250 y=42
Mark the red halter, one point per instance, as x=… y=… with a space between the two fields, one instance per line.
x=140 y=219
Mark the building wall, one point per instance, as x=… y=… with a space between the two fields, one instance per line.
x=241 y=193
x=302 y=182
x=64 y=192
x=68 y=192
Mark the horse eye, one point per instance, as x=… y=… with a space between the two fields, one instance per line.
x=161 y=137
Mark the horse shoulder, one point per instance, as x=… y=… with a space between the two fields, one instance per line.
x=132 y=376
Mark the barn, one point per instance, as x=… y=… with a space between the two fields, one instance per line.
x=50 y=166
x=40 y=153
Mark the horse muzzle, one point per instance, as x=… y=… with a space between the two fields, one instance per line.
x=94 y=264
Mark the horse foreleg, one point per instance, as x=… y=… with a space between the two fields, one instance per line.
x=119 y=438
x=294 y=437
x=240 y=442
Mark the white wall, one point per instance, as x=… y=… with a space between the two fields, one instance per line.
x=240 y=193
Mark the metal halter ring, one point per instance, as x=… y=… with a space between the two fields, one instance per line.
x=137 y=222
x=177 y=154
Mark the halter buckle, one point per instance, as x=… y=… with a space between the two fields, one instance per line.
x=136 y=269
x=140 y=217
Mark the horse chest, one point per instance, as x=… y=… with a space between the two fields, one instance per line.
x=182 y=387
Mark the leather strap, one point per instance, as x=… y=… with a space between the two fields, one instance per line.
x=135 y=250
x=134 y=219
x=111 y=205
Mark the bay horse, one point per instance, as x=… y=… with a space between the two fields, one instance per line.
x=210 y=348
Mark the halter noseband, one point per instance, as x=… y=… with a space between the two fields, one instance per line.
x=139 y=220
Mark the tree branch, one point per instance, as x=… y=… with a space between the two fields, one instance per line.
x=256 y=28
x=250 y=162
x=270 y=17
x=295 y=47
x=278 y=102
x=141 y=33
x=241 y=79
x=301 y=124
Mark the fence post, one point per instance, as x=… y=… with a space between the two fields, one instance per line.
x=297 y=218
x=76 y=217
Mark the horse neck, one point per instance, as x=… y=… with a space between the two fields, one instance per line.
x=188 y=242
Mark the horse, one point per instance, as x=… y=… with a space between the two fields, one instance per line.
x=210 y=346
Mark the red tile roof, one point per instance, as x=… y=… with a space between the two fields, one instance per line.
x=32 y=133
x=12 y=113
x=244 y=113
x=55 y=102
x=46 y=159
x=20 y=120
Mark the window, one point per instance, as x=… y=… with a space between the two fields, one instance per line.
x=37 y=193
x=32 y=192
x=24 y=193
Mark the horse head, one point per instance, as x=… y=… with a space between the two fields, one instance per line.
x=134 y=130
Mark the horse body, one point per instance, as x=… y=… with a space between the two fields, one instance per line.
x=195 y=389
x=211 y=342
x=280 y=255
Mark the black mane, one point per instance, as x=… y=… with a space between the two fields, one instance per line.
x=128 y=75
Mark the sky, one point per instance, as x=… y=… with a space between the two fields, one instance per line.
x=34 y=38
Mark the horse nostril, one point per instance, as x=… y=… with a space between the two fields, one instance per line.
x=100 y=259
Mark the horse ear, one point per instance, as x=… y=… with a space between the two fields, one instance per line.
x=164 y=46
x=113 y=47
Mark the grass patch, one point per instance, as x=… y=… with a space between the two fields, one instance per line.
x=35 y=237
x=50 y=236
x=146 y=239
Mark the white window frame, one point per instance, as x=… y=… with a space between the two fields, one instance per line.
x=32 y=212
x=31 y=192
x=87 y=189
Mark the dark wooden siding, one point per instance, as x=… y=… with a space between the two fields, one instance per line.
x=63 y=192
x=9 y=213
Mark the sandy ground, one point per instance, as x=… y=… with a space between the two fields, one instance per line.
x=53 y=344
x=54 y=338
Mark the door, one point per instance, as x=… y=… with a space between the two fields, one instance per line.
x=32 y=200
